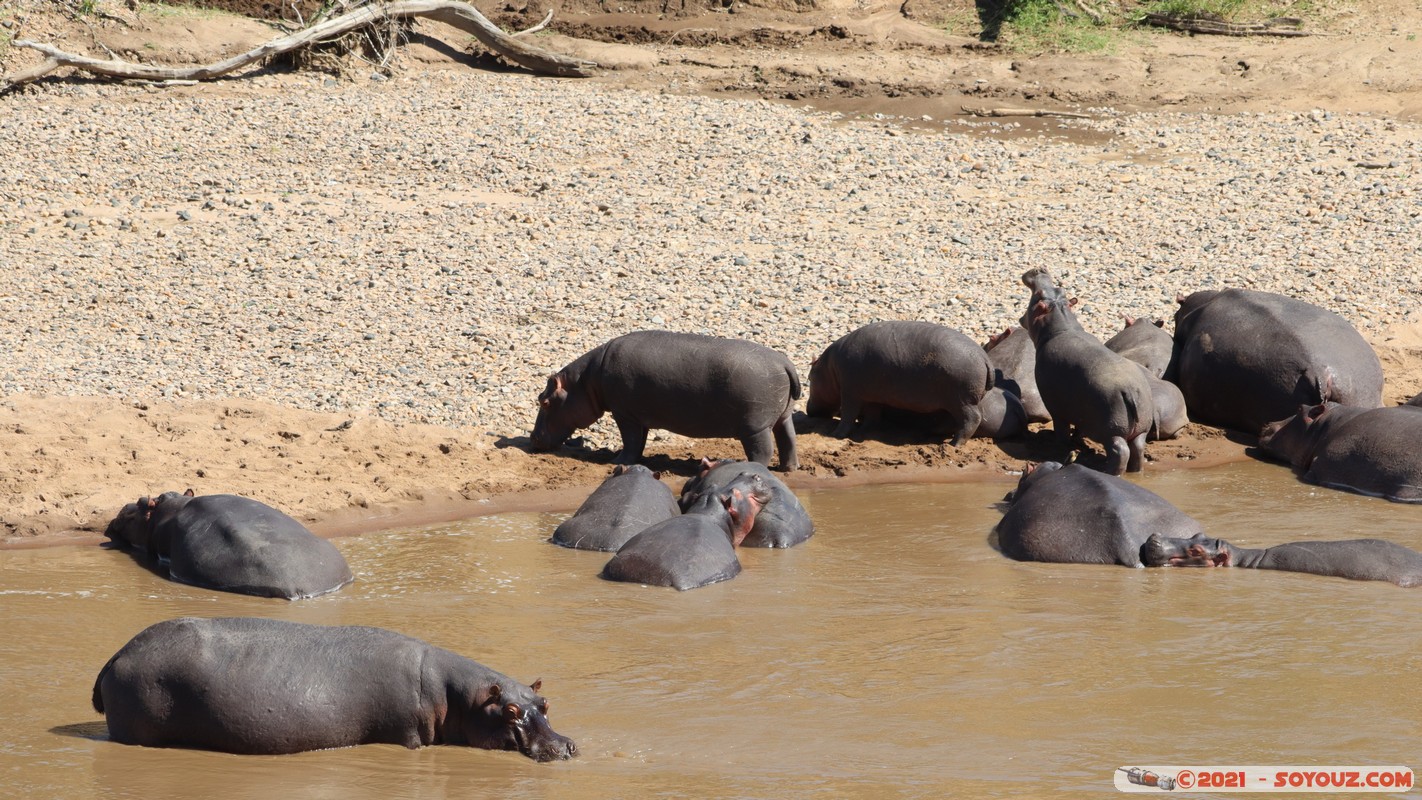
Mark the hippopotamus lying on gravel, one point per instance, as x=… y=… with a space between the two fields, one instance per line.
x=698 y=547
x=783 y=522
x=686 y=383
x=631 y=500
x=1145 y=343
x=1014 y=364
x=1371 y=451
x=1085 y=386
x=1357 y=559
x=263 y=686
x=915 y=366
x=1244 y=358
x=1076 y=515
x=232 y=544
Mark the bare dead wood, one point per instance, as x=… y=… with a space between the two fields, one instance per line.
x=451 y=12
x=1022 y=112
x=1278 y=26
x=540 y=26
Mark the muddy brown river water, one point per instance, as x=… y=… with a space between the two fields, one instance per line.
x=894 y=655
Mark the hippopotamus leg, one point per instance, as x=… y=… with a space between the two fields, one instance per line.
x=1125 y=456
x=634 y=440
x=759 y=446
x=784 y=432
x=850 y=409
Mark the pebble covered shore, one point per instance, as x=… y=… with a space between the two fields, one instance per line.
x=428 y=248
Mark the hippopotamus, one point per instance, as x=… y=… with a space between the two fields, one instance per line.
x=1371 y=451
x=1244 y=358
x=1076 y=515
x=1085 y=386
x=922 y=367
x=1014 y=365
x=1170 y=415
x=231 y=544
x=1415 y=400
x=686 y=383
x=783 y=522
x=697 y=548
x=263 y=686
x=628 y=502
x=1356 y=559
x=1144 y=342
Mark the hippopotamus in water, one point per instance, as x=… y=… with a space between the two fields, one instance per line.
x=686 y=383
x=1076 y=515
x=231 y=544
x=783 y=522
x=631 y=500
x=1356 y=559
x=263 y=686
x=1085 y=386
x=1145 y=343
x=1371 y=451
x=698 y=547
x=1014 y=363
x=914 y=366
x=1244 y=358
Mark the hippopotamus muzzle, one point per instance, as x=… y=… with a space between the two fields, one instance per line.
x=535 y=738
x=1197 y=551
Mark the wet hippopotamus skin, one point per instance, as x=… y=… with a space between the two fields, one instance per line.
x=783 y=522
x=1356 y=559
x=1371 y=451
x=1144 y=342
x=921 y=367
x=262 y=686
x=1245 y=358
x=231 y=544
x=697 y=548
x=1100 y=394
x=1076 y=515
x=697 y=386
x=628 y=502
x=1014 y=362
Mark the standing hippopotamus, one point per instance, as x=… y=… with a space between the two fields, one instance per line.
x=686 y=383
x=1076 y=515
x=1356 y=559
x=231 y=544
x=783 y=522
x=1014 y=363
x=631 y=500
x=1085 y=386
x=263 y=686
x=1145 y=343
x=698 y=547
x=1244 y=358
x=1371 y=451
x=915 y=366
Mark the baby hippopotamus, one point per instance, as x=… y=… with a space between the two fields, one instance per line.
x=698 y=547
x=1356 y=559
x=231 y=544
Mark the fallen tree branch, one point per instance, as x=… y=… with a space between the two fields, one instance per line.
x=451 y=12
x=1022 y=112
x=1219 y=27
x=540 y=26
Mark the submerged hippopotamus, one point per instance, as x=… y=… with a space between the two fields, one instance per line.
x=1356 y=559
x=1076 y=515
x=1014 y=366
x=783 y=522
x=1145 y=343
x=1100 y=394
x=628 y=502
x=698 y=547
x=686 y=383
x=231 y=544
x=263 y=686
x=1245 y=358
x=914 y=366
x=1371 y=451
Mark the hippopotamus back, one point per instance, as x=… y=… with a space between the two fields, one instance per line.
x=628 y=502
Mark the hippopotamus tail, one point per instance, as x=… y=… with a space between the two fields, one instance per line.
x=1133 y=414
x=794 y=382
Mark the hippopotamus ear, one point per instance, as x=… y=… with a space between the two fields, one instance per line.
x=1160 y=323
x=554 y=389
x=1128 y=319
x=536 y=685
x=1072 y=302
x=189 y=492
x=707 y=465
x=1179 y=298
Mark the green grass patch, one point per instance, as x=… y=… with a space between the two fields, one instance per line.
x=1231 y=10
x=1037 y=26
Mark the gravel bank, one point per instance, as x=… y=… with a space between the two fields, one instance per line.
x=428 y=248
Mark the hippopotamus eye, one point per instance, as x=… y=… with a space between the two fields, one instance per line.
x=543 y=707
x=512 y=713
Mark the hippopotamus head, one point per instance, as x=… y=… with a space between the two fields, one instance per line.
x=741 y=499
x=563 y=407
x=133 y=526
x=1197 y=551
x=1031 y=474
x=516 y=718
x=1294 y=439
